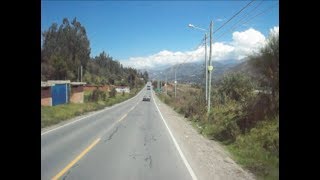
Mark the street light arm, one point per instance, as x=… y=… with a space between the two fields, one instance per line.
x=191 y=25
x=195 y=27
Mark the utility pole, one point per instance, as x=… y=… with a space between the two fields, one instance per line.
x=206 y=64
x=166 y=85
x=175 y=83
x=81 y=73
x=210 y=68
x=78 y=74
x=158 y=85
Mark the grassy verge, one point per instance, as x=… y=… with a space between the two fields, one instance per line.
x=55 y=114
x=256 y=150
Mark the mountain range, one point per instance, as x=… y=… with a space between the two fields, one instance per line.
x=193 y=72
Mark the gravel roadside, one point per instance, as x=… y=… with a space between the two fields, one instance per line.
x=207 y=158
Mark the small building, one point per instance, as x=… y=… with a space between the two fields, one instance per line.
x=55 y=92
x=46 y=95
x=59 y=91
x=121 y=89
x=77 y=93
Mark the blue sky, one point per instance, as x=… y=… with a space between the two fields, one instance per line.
x=128 y=29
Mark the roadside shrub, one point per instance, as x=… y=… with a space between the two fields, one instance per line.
x=195 y=107
x=267 y=134
x=224 y=122
x=182 y=110
x=98 y=95
x=236 y=86
x=167 y=100
x=112 y=93
x=258 y=150
x=257 y=109
x=87 y=96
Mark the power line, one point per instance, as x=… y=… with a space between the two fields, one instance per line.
x=252 y=9
x=247 y=14
x=179 y=64
x=233 y=16
x=249 y=19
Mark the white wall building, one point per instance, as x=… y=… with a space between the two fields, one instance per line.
x=123 y=89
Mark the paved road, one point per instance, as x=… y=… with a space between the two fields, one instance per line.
x=128 y=141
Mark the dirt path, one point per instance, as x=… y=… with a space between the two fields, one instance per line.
x=207 y=158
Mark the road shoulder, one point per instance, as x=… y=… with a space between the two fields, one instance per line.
x=208 y=159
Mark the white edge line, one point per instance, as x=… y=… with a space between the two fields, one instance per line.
x=194 y=177
x=92 y=114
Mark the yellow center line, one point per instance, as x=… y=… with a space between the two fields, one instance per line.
x=85 y=151
x=75 y=160
x=123 y=117
x=127 y=113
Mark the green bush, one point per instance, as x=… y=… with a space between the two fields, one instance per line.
x=224 y=121
x=87 y=96
x=266 y=133
x=113 y=93
x=167 y=100
x=256 y=109
x=194 y=108
x=258 y=150
x=98 y=95
x=236 y=86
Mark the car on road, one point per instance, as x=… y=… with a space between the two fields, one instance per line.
x=146 y=98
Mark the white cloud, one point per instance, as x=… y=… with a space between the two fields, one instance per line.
x=246 y=42
x=165 y=57
x=221 y=51
x=248 y=38
x=219 y=20
x=242 y=44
